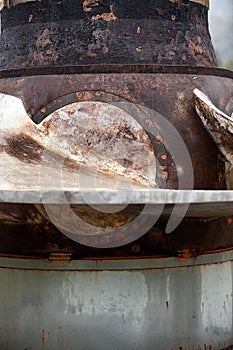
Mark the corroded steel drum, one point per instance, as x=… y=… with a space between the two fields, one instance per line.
x=138 y=62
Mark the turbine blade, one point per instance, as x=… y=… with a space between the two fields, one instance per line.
x=12 y=113
x=218 y=124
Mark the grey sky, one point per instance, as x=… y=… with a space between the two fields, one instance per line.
x=221 y=28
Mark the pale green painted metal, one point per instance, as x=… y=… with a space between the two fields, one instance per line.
x=117 y=304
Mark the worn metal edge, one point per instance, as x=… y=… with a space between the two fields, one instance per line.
x=134 y=196
x=202 y=2
x=115 y=264
x=115 y=69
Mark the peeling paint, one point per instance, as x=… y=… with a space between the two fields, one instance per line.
x=89 y=4
x=105 y=16
x=123 y=294
x=215 y=316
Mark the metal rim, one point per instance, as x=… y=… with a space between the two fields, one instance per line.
x=115 y=69
x=115 y=264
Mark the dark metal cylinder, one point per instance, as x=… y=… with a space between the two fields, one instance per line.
x=67 y=32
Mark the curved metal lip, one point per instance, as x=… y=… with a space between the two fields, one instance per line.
x=206 y=205
x=115 y=69
x=113 y=264
x=134 y=195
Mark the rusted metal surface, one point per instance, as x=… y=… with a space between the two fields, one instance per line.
x=87 y=33
x=144 y=304
x=83 y=32
x=85 y=4
x=58 y=303
x=36 y=236
x=170 y=93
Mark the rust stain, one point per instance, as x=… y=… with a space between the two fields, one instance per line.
x=136 y=248
x=43 y=39
x=229 y=221
x=98 y=93
x=105 y=49
x=202 y=308
x=91 y=54
x=107 y=16
x=45 y=50
x=195 y=48
x=220 y=176
x=43 y=339
x=43 y=333
x=88 y=96
x=89 y=4
x=164 y=175
x=59 y=257
x=25 y=148
x=158 y=139
x=186 y=254
x=79 y=95
x=31 y=214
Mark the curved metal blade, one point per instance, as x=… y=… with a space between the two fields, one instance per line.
x=218 y=124
x=93 y=135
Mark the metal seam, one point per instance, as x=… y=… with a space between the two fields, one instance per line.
x=115 y=69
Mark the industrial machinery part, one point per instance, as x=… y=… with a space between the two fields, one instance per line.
x=84 y=78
